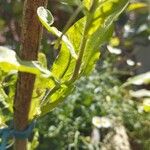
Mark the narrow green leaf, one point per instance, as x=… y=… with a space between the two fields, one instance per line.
x=56 y=98
x=105 y=15
x=136 y=6
x=63 y=71
x=45 y=17
x=47 y=20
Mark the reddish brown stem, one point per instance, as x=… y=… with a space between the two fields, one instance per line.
x=30 y=39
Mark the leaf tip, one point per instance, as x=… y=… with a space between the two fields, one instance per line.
x=45 y=15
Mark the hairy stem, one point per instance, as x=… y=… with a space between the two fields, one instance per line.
x=30 y=39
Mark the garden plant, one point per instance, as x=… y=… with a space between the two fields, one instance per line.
x=40 y=89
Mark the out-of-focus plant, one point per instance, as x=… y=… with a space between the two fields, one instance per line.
x=103 y=95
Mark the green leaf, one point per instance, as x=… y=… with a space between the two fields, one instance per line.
x=93 y=46
x=136 y=6
x=106 y=13
x=10 y=61
x=63 y=71
x=100 y=25
x=46 y=19
x=42 y=59
x=56 y=98
x=87 y=3
x=100 y=32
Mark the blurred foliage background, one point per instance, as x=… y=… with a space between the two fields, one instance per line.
x=106 y=99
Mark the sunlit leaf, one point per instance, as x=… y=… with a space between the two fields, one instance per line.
x=105 y=15
x=42 y=59
x=56 y=98
x=74 y=34
x=136 y=6
x=99 y=33
x=87 y=3
x=40 y=86
x=46 y=19
x=10 y=61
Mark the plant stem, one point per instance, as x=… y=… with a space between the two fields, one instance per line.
x=82 y=47
x=80 y=56
x=30 y=39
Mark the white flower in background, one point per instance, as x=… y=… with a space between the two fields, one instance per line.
x=101 y=122
x=130 y=62
x=114 y=50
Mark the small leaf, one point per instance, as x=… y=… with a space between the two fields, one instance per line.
x=42 y=59
x=45 y=16
x=47 y=20
x=56 y=98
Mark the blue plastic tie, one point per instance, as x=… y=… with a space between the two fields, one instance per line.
x=8 y=132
